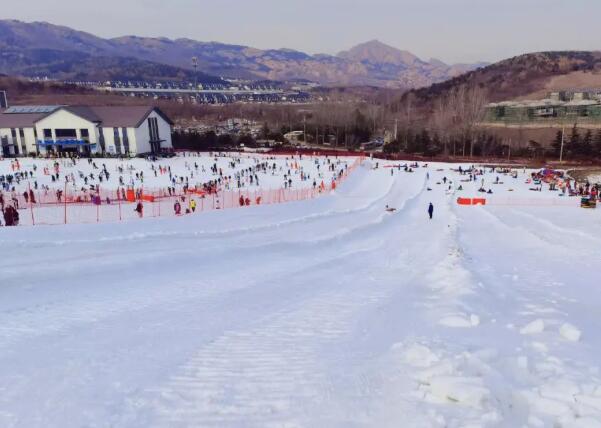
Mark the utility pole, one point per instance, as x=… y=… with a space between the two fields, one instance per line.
x=396 y=129
x=195 y=67
x=305 y=128
x=563 y=131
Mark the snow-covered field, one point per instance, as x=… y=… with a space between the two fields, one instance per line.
x=325 y=313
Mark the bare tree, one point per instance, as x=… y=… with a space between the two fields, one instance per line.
x=442 y=119
x=467 y=105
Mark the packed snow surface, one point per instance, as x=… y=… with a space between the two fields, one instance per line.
x=331 y=312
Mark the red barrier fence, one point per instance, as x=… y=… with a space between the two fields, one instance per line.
x=520 y=201
x=63 y=206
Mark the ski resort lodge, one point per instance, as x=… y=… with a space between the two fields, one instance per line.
x=114 y=130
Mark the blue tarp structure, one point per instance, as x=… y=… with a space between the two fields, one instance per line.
x=66 y=142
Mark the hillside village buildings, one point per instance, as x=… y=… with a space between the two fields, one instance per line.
x=583 y=106
x=86 y=130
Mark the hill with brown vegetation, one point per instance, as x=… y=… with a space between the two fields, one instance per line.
x=526 y=75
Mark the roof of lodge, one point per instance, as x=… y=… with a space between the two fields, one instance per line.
x=107 y=116
x=22 y=120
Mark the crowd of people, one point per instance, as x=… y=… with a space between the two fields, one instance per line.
x=28 y=182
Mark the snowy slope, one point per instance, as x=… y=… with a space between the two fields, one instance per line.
x=324 y=313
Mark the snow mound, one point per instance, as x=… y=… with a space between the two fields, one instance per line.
x=460 y=321
x=535 y=327
x=569 y=332
x=419 y=355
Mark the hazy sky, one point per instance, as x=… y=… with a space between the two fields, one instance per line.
x=451 y=30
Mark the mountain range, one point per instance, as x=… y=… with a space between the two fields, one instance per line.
x=43 y=49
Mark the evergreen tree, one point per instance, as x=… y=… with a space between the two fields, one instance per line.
x=586 y=145
x=557 y=143
x=574 y=144
x=425 y=141
x=265 y=131
x=435 y=146
x=597 y=144
x=225 y=140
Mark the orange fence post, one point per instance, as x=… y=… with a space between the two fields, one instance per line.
x=65 y=197
x=98 y=202
x=31 y=204
x=119 y=199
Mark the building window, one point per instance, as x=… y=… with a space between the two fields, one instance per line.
x=65 y=134
x=85 y=134
x=47 y=134
x=22 y=137
x=125 y=140
x=13 y=134
x=117 y=139
x=101 y=139
x=35 y=138
x=153 y=132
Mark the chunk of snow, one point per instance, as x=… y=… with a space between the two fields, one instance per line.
x=569 y=332
x=540 y=347
x=457 y=321
x=535 y=327
x=419 y=356
x=474 y=320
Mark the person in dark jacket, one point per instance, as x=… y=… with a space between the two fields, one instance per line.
x=431 y=210
x=139 y=209
x=11 y=216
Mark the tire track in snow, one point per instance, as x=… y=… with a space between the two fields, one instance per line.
x=23 y=323
x=553 y=383
x=271 y=375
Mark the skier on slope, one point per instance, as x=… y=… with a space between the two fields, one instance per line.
x=431 y=210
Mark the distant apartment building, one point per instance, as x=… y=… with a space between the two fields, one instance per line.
x=559 y=106
x=86 y=130
x=294 y=136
